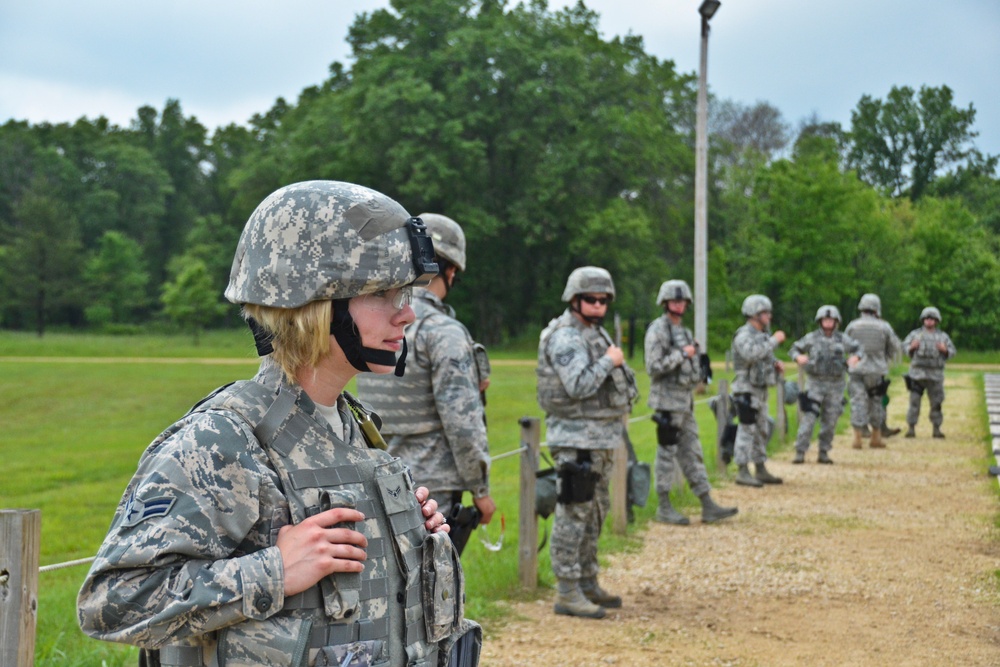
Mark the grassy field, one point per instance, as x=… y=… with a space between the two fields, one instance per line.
x=74 y=428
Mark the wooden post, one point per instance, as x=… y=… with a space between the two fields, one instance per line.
x=802 y=390
x=721 y=421
x=619 y=486
x=20 y=540
x=781 y=419
x=527 y=525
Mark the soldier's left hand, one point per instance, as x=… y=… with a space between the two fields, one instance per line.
x=852 y=361
x=435 y=522
x=484 y=385
x=942 y=347
x=779 y=366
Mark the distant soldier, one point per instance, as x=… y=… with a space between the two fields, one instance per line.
x=433 y=416
x=585 y=388
x=673 y=365
x=869 y=378
x=755 y=369
x=824 y=355
x=928 y=348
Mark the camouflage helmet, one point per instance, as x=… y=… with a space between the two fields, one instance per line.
x=755 y=304
x=827 y=311
x=327 y=240
x=588 y=280
x=449 y=240
x=930 y=311
x=674 y=289
x=870 y=302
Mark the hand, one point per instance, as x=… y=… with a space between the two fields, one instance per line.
x=486 y=507
x=942 y=348
x=802 y=359
x=616 y=354
x=435 y=522
x=914 y=345
x=779 y=366
x=778 y=337
x=484 y=385
x=315 y=548
x=690 y=350
x=852 y=361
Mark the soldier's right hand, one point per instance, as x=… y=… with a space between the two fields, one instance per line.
x=486 y=507
x=914 y=344
x=802 y=360
x=778 y=337
x=319 y=547
x=616 y=354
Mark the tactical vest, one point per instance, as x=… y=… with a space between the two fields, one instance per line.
x=406 y=405
x=346 y=611
x=687 y=374
x=873 y=336
x=613 y=398
x=827 y=357
x=755 y=372
x=927 y=355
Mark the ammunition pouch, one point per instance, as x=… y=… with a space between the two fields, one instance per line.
x=577 y=482
x=807 y=404
x=463 y=520
x=744 y=409
x=667 y=435
x=880 y=389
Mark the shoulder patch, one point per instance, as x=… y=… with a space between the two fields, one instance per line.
x=464 y=365
x=137 y=511
x=564 y=358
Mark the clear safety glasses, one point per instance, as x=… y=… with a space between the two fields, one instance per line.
x=391 y=300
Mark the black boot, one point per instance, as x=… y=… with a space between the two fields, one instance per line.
x=764 y=476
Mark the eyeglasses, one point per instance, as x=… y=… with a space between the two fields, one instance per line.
x=397 y=298
x=592 y=300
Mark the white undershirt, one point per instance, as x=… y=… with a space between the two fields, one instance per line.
x=332 y=415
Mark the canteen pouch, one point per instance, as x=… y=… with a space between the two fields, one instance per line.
x=443 y=586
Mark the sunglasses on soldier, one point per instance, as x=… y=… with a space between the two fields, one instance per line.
x=592 y=300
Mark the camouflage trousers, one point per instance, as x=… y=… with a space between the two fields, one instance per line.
x=687 y=453
x=865 y=409
x=577 y=526
x=751 y=439
x=935 y=394
x=829 y=403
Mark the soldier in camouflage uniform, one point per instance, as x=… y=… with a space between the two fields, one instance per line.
x=928 y=348
x=585 y=388
x=824 y=355
x=433 y=416
x=869 y=378
x=672 y=364
x=266 y=527
x=755 y=368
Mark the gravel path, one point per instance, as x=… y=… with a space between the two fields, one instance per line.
x=888 y=557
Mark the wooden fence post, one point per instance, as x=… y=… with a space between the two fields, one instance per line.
x=20 y=540
x=781 y=418
x=527 y=524
x=619 y=485
x=721 y=421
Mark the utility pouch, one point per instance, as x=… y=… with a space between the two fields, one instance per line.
x=807 y=404
x=744 y=409
x=443 y=587
x=577 y=482
x=667 y=435
x=463 y=520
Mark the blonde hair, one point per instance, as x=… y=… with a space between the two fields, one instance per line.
x=301 y=336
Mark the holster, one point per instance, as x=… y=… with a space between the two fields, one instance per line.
x=667 y=435
x=808 y=405
x=914 y=385
x=463 y=520
x=744 y=409
x=880 y=389
x=577 y=482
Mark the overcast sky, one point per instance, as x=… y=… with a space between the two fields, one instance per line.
x=226 y=60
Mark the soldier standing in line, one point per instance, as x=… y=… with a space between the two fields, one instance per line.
x=674 y=372
x=869 y=378
x=824 y=355
x=755 y=369
x=267 y=526
x=433 y=416
x=585 y=388
x=929 y=349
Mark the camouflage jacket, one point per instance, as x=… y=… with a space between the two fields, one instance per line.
x=827 y=355
x=878 y=340
x=190 y=560
x=753 y=359
x=582 y=392
x=433 y=416
x=927 y=361
x=673 y=375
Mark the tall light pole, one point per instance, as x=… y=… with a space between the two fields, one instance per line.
x=707 y=11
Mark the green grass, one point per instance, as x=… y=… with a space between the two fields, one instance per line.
x=75 y=428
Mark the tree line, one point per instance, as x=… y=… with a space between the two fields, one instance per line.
x=553 y=147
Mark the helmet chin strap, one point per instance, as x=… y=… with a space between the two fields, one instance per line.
x=343 y=329
x=593 y=319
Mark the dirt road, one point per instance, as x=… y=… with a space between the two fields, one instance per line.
x=888 y=557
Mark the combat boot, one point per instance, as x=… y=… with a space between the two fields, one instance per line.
x=665 y=513
x=800 y=457
x=889 y=432
x=570 y=601
x=876 y=442
x=710 y=512
x=824 y=458
x=764 y=476
x=857 y=438
x=744 y=477
x=937 y=432
x=910 y=432
x=593 y=592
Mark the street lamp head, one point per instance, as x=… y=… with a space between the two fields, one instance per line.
x=708 y=8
